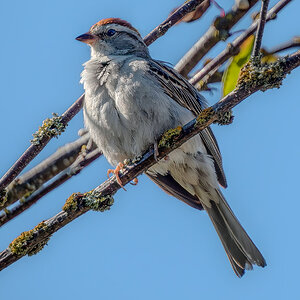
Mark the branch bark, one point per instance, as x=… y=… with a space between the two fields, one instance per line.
x=31 y=241
x=218 y=31
x=260 y=27
x=80 y=163
x=32 y=180
x=34 y=149
x=176 y=16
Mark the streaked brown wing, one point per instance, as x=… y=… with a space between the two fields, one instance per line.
x=180 y=90
x=173 y=188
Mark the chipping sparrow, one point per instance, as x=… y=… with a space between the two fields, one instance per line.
x=130 y=100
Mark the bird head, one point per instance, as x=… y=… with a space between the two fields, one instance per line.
x=114 y=36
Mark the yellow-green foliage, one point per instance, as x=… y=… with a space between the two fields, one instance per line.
x=169 y=137
x=50 y=127
x=21 y=245
x=235 y=64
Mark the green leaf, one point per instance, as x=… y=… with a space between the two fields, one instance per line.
x=235 y=65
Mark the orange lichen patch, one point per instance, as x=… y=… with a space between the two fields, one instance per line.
x=114 y=21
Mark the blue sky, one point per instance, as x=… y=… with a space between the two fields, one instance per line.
x=149 y=245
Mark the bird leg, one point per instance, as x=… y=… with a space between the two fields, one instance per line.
x=156 y=152
x=116 y=171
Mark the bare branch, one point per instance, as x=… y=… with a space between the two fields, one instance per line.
x=80 y=163
x=262 y=78
x=295 y=42
x=233 y=47
x=218 y=31
x=161 y=29
x=260 y=28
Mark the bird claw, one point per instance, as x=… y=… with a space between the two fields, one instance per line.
x=135 y=181
x=116 y=171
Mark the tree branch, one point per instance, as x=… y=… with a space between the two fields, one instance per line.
x=260 y=27
x=80 y=163
x=262 y=78
x=295 y=42
x=34 y=149
x=233 y=47
x=32 y=180
x=176 y=16
x=218 y=31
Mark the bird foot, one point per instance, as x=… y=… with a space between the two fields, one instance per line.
x=116 y=171
x=135 y=181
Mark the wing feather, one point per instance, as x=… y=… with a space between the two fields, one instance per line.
x=181 y=91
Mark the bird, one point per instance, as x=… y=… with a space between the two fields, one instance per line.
x=130 y=100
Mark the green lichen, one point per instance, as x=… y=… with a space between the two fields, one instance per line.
x=72 y=202
x=93 y=200
x=204 y=116
x=98 y=202
x=50 y=128
x=170 y=137
x=263 y=76
x=225 y=118
x=222 y=34
x=222 y=25
x=3 y=197
x=21 y=245
x=38 y=247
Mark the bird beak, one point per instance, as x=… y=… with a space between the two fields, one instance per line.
x=87 y=38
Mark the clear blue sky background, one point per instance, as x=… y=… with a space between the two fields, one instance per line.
x=149 y=245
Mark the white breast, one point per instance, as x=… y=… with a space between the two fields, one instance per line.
x=126 y=110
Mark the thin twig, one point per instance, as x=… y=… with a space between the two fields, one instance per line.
x=161 y=29
x=33 y=150
x=218 y=31
x=260 y=28
x=232 y=48
x=28 y=242
x=74 y=169
x=295 y=42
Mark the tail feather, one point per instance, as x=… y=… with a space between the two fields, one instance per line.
x=240 y=249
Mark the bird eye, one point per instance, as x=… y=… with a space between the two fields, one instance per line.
x=110 y=32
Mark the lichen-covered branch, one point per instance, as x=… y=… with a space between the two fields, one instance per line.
x=260 y=27
x=233 y=47
x=81 y=162
x=26 y=184
x=33 y=150
x=176 y=16
x=218 y=31
x=260 y=78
